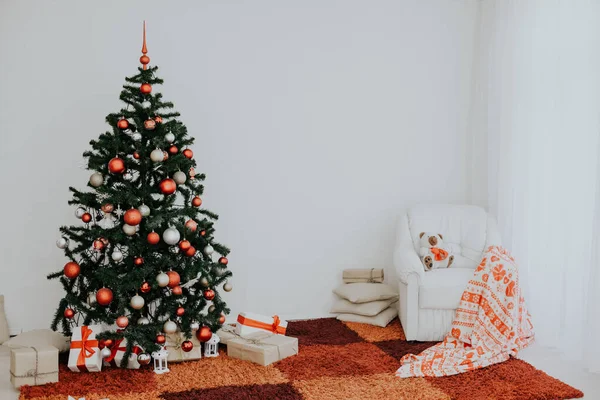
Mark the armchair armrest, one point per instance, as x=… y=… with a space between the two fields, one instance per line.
x=407 y=263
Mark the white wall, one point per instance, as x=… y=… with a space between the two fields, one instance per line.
x=316 y=123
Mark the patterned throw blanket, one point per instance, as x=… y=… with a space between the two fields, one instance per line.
x=491 y=323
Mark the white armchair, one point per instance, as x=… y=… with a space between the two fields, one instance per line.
x=429 y=299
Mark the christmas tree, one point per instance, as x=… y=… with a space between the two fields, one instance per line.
x=143 y=257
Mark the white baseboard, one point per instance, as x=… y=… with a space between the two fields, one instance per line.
x=15 y=332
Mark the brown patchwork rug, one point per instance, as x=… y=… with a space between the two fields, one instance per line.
x=336 y=361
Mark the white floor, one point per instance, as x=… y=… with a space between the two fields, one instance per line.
x=547 y=360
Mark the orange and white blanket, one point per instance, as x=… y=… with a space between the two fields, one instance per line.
x=491 y=323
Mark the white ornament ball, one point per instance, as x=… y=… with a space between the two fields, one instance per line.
x=117 y=256
x=194 y=326
x=105 y=352
x=169 y=137
x=227 y=287
x=171 y=236
x=170 y=327
x=137 y=136
x=129 y=230
x=137 y=302
x=211 y=309
x=157 y=155
x=144 y=210
x=143 y=321
x=62 y=243
x=204 y=281
x=162 y=279
x=146 y=104
x=128 y=176
x=208 y=250
x=179 y=177
x=96 y=179
x=79 y=212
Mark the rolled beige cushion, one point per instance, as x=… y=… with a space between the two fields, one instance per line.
x=4 y=333
x=367 y=309
x=40 y=337
x=382 y=319
x=366 y=292
x=365 y=275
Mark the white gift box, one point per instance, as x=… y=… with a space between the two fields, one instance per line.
x=84 y=355
x=118 y=352
x=250 y=323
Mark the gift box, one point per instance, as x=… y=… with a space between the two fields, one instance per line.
x=85 y=354
x=176 y=354
x=36 y=365
x=262 y=348
x=250 y=323
x=226 y=333
x=117 y=352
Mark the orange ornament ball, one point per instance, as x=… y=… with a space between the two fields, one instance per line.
x=196 y=201
x=167 y=186
x=104 y=296
x=136 y=155
x=98 y=244
x=146 y=88
x=138 y=261
x=153 y=238
x=116 y=166
x=191 y=252
x=188 y=153
x=184 y=245
x=161 y=339
x=223 y=260
x=149 y=124
x=204 y=334
x=69 y=313
x=203 y=233
x=187 y=346
x=144 y=59
x=222 y=319
x=122 y=322
x=132 y=217
x=87 y=217
x=108 y=342
x=180 y=311
x=174 y=279
x=177 y=291
x=191 y=225
x=209 y=294
x=123 y=124
x=158 y=119
x=72 y=270
x=173 y=149
x=145 y=288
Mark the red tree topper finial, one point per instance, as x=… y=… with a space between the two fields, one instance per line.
x=144 y=59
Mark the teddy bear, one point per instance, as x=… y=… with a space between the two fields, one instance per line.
x=433 y=252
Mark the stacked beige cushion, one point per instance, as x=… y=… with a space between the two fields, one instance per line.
x=370 y=303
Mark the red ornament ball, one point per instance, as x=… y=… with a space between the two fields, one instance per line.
x=153 y=238
x=104 y=296
x=138 y=261
x=223 y=260
x=196 y=201
x=180 y=311
x=116 y=166
x=107 y=208
x=72 y=270
x=191 y=252
x=144 y=59
x=204 y=334
x=146 y=88
x=132 y=217
x=174 y=279
x=191 y=225
x=161 y=339
x=203 y=233
x=98 y=244
x=222 y=319
x=123 y=124
x=173 y=149
x=69 y=313
x=158 y=119
x=136 y=155
x=122 y=322
x=108 y=343
x=87 y=217
x=188 y=153
x=184 y=245
x=177 y=291
x=167 y=186
x=145 y=288
x=187 y=346
x=209 y=294
x=149 y=124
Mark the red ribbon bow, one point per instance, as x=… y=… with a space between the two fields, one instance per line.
x=117 y=347
x=440 y=254
x=86 y=346
x=276 y=322
x=273 y=327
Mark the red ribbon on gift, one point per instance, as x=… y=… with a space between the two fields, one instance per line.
x=274 y=327
x=86 y=346
x=117 y=347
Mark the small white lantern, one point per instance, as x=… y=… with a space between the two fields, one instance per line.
x=211 y=347
x=160 y=361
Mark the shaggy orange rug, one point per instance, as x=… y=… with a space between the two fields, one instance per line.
x=336 y=361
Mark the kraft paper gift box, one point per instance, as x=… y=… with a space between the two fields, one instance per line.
x=227 y=333
x=36 y=365
x=250 y=323
x=370 y=275
x=263 y=348
x=176 y=354
x=85 y=354
x=117 y=352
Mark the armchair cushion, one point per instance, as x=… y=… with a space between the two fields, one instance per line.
x=443 y=288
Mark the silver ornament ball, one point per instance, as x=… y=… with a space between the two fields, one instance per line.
x=227 y=287
x=144 y=359
x=157 y=155
x=96 y=179
x=208 y=250
x=194 y=326
x=162 y=279
x=204 y=281
x=170 y=327
x=144 y=210
x=79 y=212
x=179 y=177
x=117 y=256
x=105 y=352
x=137 y=302
x=62 y=243
x=211 y=309
x=171 y=236
x=129 y=230
x=169 y=137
